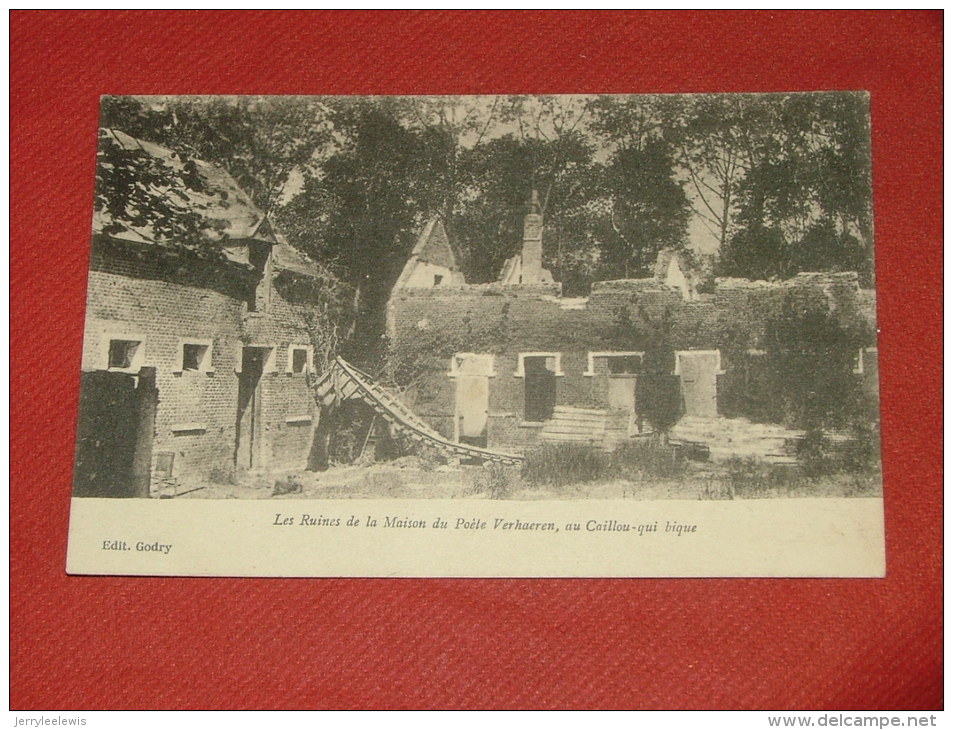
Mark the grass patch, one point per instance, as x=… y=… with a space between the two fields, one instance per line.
x=496 y=481
x=747 y=478
x=287 y=485
x=648 y=459
x=857 y=454
x=560 y=465
x=752 y=479
x=383 y=483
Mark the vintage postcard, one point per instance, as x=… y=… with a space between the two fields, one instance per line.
x=535 y=336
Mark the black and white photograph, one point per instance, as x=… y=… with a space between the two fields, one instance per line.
x=483 y=299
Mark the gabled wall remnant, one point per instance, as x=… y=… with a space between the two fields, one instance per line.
x=431 y=262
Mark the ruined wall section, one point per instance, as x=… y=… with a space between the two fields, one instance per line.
x=426 y=327
x=618 y=315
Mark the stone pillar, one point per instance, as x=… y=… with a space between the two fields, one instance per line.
x=532 y=259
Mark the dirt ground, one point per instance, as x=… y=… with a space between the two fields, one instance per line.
x=411 y=477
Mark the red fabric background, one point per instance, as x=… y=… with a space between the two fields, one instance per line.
x=110 y=643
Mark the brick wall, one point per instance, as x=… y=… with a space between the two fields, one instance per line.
x=169 y=299
x=427 y=326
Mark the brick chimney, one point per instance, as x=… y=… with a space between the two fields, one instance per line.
x=532 y=259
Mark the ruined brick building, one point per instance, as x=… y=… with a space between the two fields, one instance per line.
x=194 y=365
x=514 y=363
x=198 y=361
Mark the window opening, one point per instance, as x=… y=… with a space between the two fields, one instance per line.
x=193 y=356
x=540 y=388
x=299 y=360
x=122 y=353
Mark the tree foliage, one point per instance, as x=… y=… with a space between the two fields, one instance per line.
x=362 y=212
x=261 y=141
x=811 y=353
x=137 y=190
x=648 y=209
x=771 y=184
x=806 y=181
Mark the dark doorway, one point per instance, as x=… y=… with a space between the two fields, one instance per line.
x=540 y=386
x=248 y=422
x=114 y=434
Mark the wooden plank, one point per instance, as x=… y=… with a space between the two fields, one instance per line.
x=567 y=427
x=571 y=436
x=573 y=409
